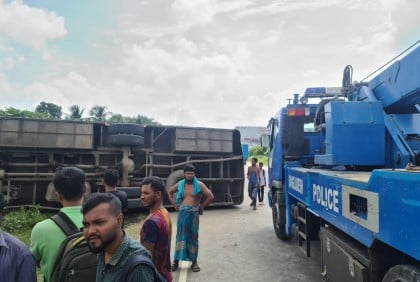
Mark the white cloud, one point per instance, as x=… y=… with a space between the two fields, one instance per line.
x=69 y=90
x=203 y=12
x=5 y=86
x=195 y=12
x=212 y=63
x=276 y=7
x=9 y=62
x=29 y=26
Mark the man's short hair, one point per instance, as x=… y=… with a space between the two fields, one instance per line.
x=255 y=159
x=69 y=182
x=155 y=183
x=189 y=167
x=111 y=177
x=96 y=199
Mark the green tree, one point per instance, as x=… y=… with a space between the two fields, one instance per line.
x=145 y=120
x=99 y=113
x=139 y=119
x=119 y=118
x=258 y=151
x=13 y=112
x=76 y=113
x=53 y=110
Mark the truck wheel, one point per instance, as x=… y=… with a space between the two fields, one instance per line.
x=279 y=215
x=126 y=140
x=402 y=273
x=126 y=128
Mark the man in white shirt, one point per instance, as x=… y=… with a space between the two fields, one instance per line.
x=263 y=181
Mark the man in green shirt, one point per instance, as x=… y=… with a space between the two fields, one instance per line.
x=46 y=236
x=102 y=228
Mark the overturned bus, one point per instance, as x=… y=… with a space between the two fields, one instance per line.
x=31 y=150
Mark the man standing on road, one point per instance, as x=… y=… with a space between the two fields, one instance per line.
x=17 y=263
x=155 y=234
x=102 y=228
x=110 y=181
x=263 y=181
x=253 y=182
x=47 y=236
x=188 y=196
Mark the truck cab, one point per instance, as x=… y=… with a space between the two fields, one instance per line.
x=296 y=132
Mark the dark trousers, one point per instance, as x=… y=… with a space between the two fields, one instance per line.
x=261 y=194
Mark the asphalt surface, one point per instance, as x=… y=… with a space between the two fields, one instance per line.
x=239 y=244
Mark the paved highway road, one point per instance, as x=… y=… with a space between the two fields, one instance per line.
x=239 y=244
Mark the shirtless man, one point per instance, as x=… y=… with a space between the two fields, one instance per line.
x=253 y=182
x=188 y=196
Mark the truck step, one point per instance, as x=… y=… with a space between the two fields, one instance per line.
x=303 y=238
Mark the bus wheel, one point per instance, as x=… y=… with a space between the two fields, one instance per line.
x=173 y=178
x=125 y=140
x=126 y=128
x=402 y=273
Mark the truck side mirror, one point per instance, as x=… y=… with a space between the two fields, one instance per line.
x=265 y=140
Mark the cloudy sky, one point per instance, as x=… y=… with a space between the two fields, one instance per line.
x=212 y=63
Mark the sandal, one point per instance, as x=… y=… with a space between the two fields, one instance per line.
x=175 y=266
x=195 y=267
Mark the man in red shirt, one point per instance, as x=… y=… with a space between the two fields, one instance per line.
x=155 y=234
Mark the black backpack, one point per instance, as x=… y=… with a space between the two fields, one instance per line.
x=74 y=261
x=135 y=260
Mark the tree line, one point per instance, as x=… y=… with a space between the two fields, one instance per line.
x=97 y=113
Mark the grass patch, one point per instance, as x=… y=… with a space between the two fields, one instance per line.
x=19 y=222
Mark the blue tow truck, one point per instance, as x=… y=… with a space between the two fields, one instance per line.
x=345 y=171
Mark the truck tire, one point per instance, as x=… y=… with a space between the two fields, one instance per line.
x=126 y=128
x=126 y=140
x=173 y=178
x=403 y=273
x=279 y=216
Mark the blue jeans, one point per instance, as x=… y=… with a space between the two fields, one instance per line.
x=252 y=193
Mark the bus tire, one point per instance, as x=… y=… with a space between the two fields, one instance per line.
x=404 y=273
x=173 y=178
x=125 y=140
x=126 y=128
x=279 y=216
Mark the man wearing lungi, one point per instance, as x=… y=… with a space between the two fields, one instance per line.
x=189 y=192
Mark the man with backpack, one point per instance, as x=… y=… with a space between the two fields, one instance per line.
x=120 y=257
x=47 y=236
